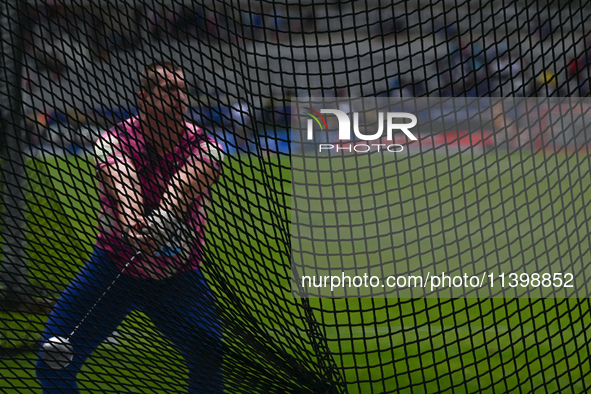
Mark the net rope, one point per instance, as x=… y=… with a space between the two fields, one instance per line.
x=69 y=72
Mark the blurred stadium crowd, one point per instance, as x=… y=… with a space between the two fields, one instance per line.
x=455 y=61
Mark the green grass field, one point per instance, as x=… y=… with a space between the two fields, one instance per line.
x=379 y=345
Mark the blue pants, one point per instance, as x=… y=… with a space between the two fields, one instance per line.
x=181 y=307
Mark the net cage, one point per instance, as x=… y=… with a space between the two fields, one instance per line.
x=514 y=193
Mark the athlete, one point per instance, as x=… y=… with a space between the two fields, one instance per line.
x=154 y=176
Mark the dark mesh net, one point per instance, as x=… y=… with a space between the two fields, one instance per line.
x=69 y=73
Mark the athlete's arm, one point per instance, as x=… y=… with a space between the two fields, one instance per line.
x=191 y=181
x=121 y=182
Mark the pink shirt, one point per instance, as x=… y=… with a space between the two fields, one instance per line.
x=125 y=142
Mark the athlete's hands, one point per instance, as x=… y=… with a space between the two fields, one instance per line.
x=170 y=235
x=160 y=233
x=139 y=238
